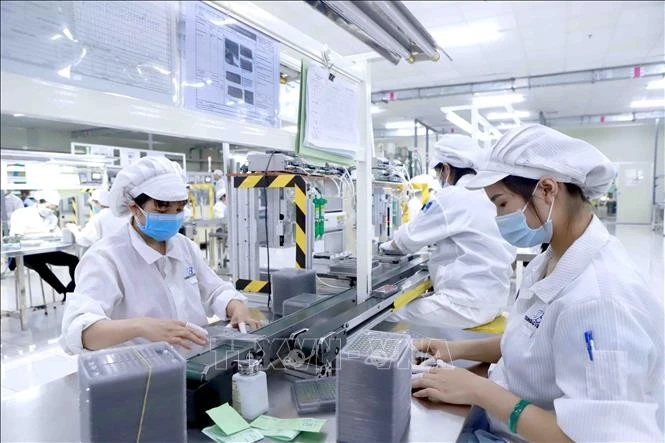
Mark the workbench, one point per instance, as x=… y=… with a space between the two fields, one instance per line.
x=18 y=254
x=50 y=413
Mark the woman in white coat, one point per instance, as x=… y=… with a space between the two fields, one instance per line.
x=102 y=223
x=146 y=282
x=581 y=358
x=470 y=264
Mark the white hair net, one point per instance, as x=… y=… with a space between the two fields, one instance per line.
x=157 y=177
x=535 y=151
x=457 y=150
x=102 y=196
x=49 y=196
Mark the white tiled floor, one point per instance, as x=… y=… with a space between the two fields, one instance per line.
x=33 y=357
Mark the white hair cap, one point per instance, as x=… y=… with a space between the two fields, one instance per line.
x=101 y=196
x=534 y=151
x=49 y=196
x=457 y=150
x=157 y=177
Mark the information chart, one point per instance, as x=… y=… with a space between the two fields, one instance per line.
x=124 y=47
x=227 y=67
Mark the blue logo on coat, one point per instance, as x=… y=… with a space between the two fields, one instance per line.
x=536 y=319
x=426 y=206
x=189 y=272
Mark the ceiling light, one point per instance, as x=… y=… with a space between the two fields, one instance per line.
x=19 y=115
x=349 y=11
x=628 y=117
x=504 y=126
x=643 y=104
x=393 y=12
x=400 y=124
x=376 y=109
x=657 y=84
x=496 y=101
x=467 y=35
x=507 y=115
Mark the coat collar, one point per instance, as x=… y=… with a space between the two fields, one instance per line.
x=573 y=263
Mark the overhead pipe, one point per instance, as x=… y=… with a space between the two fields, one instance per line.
x=514 y=84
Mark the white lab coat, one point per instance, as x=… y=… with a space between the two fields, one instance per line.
x=100 y=225
x=219 y=210
x=12 y=203
x=470 y=264
x=544 y=356
x=32 y=220
x=122 y=277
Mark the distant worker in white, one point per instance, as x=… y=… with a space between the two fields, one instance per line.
x=220 y=205
x=102 y=223
x=470 y=264
x=218 y=177
x=581 y=358
x=40 y=220
x=146 y=282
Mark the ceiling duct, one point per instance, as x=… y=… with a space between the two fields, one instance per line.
x=387 y=27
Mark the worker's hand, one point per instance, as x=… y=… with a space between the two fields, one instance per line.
x=389 y=247
x=174 y=332
x=449 y=385
x=439 y=349
x=238 y=312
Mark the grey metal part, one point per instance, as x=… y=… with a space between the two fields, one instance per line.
x=559 y=79
x=261 y=162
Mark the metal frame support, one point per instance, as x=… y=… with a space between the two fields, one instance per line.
x=364 y=232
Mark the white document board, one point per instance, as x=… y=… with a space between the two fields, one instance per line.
x=227 y=67
x=332 y=113
x=124 y=47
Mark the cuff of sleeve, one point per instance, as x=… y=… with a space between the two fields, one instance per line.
x=223 y=299
x=71 y=339
x=401 y=241
x=606 y=420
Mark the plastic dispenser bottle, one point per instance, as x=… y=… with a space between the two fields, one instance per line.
x=250 y=389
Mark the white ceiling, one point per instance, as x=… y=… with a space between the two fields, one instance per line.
x=535 y=38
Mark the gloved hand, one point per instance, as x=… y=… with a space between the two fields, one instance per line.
x=389 y=247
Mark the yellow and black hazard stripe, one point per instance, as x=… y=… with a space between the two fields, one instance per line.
x=259 y=286
x=300 y=200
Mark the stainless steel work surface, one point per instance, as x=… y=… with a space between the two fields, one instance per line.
x=50 y=413
x=37 y=249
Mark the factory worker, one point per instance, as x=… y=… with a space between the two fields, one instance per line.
x=102 y=223
x=220 y=205
x=40 y=220
x=146 y=282
x=10 y=204
x=218 y=177
x=581 y=358
x=470 y=264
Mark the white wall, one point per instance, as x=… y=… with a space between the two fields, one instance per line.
x=633 y=143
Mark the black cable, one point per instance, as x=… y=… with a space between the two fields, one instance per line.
x=265 y=199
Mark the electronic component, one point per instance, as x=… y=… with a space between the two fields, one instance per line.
x=261 y=162
x=385 y=291
x=315 y=395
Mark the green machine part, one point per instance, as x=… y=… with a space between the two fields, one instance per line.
x=319 y=221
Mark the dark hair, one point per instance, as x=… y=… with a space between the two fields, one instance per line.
x=142 y=199
x=455 y=172
x=524 y=187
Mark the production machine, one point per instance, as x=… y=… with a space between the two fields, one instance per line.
x=287 y=215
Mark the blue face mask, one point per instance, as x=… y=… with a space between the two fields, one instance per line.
x=516 y=231
x=95 y=210
x=161 y=227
